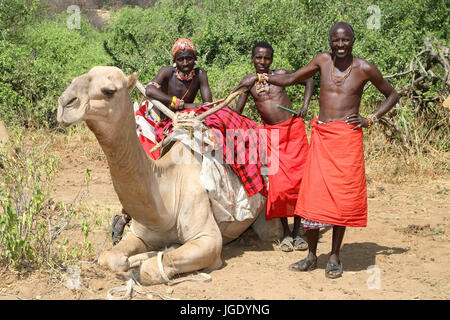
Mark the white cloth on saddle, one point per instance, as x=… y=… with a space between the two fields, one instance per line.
x=145 y=125
x=227 y=195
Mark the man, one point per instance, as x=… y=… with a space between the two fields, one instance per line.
x=333 y=191
x=272 y=103
x=176 y=87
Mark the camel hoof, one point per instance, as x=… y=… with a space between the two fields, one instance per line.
x=115 y=262
x=149 y=273
x=215 y=266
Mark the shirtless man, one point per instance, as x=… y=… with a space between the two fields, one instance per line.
x=333 y=191
x=284 y=185
x=176 y=87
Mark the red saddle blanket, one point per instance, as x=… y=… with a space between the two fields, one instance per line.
x=231 y=129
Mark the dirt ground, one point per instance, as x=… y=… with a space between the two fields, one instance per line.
x=404 y=253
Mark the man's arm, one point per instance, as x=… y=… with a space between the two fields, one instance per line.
x=309 y=83
x=385 y=88
x=392 y=97
x=240 y=104
x=205 y=90
x=288 y=79
x=152 y=91
x=248 y=81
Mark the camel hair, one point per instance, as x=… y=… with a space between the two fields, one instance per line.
x=166 y=200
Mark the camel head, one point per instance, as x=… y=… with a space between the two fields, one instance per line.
x=102 y=94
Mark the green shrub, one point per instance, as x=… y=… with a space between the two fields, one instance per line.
x=25 y=182
x=38 y=66
x=225 y=31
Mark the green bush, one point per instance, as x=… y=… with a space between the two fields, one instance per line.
x=37 y=66
x=26 y=176
x=225 y=31
x=38 y=62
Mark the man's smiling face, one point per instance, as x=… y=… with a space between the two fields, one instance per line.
x=341 y=41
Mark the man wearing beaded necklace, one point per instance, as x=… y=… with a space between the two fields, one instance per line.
x=333 y=191
x=177 y=86
x=273 y=103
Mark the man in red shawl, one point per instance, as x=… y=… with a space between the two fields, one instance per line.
x=176 y=87
x=333 y=191
x=284 y=183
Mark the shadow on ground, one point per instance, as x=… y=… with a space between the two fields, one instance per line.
x=359 y=256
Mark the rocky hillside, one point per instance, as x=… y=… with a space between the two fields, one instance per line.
x=61 y=5
x=97 y=11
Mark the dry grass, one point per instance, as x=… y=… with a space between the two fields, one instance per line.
x=387 y=162
x=78 y=138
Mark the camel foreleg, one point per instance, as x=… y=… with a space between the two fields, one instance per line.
x=117 y=258
x=203 y=252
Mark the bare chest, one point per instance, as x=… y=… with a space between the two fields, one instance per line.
x=184 y=89
x=339 y=83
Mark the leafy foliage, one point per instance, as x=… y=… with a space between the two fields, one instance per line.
x=25 y=182
x=38 y=63
x=37 y=66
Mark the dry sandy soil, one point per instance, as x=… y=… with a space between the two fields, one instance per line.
x=406 y=241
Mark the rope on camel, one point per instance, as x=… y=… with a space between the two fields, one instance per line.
x=132 y=282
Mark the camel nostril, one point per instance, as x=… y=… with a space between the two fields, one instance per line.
x=70 y=102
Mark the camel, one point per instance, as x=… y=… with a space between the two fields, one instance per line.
x=169 y=206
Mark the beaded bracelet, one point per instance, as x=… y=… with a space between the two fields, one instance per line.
x=372 y=120
x=177 y=104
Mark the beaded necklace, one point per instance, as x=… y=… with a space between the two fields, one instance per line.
x=181 y=76
x=340 y=80
x=262 y=85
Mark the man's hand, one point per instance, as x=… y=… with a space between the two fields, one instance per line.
x=357 y=119
x=302 y=112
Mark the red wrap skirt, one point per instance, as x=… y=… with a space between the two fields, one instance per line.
x=286 y=166
x=333 y=189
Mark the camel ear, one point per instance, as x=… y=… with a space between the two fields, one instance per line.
x=131 y=81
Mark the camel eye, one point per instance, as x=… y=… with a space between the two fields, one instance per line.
x=108 y=92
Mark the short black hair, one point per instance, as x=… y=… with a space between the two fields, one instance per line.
x=341 y=23
x=261 y=44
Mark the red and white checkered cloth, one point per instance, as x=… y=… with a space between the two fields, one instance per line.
x=248 y=170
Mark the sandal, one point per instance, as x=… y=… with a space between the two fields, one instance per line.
x=118 y=225
x=332 y=268
x=300 y=244
x=286 y=244
x=303 y=265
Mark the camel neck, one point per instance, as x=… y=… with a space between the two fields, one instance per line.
x=132 y=171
